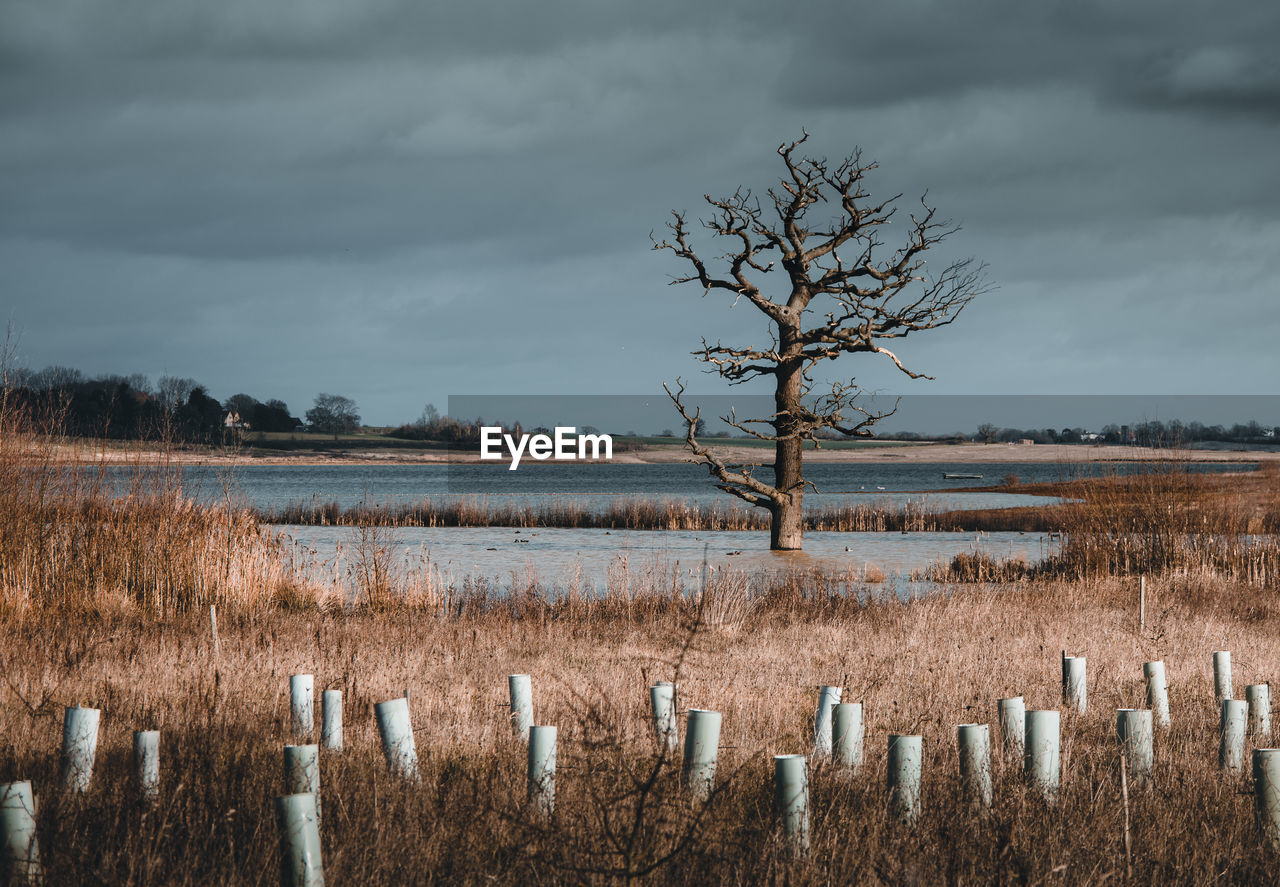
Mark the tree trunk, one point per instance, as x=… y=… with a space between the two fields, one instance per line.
x=786 y=528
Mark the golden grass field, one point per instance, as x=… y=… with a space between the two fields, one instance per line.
x=924 y=666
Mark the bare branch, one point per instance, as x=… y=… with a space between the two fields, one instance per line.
x=739 y=364
x=739 y=483
x=739 y=284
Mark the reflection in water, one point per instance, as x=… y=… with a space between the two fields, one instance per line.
x=593 y=560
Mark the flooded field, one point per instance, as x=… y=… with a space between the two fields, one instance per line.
x=589 y=560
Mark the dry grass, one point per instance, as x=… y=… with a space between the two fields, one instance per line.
x=1166 y=520
x=924 y=666
x=76 y=540
x=1173 y=520
x=645 y=513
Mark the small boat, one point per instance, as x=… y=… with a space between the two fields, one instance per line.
x=961 y=476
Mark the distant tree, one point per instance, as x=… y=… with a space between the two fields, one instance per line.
x=243 y=404
x=54 y=377
x=140 y=383
x=987 y=432
x=273 y=416
x=200 y=418
x=333 y=414
x=667 y=432
x=174 y=391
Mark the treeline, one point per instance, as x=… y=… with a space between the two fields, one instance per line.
x=1174 y=433
x=1153 y=433
x=132 y=408
x=431 y=426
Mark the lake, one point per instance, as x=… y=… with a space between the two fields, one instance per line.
x=271 y=487
x=590 y=558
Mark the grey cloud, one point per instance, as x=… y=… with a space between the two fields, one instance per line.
x=398 y=200
x=1155 y=54
x=1224 y=79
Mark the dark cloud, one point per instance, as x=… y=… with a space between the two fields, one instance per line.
x=399 y=200
x=1150 y=53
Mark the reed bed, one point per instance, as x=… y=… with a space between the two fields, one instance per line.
x=74 y=540
x=648 y=513
x=1175 y=521
x=1167 y=520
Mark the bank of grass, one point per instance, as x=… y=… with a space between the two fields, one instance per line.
x=74 y=541
x=646 y=513
x=1164 y=520
x=923 y=666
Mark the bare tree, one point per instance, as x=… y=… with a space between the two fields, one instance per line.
x=333 y=414
x=872 y=297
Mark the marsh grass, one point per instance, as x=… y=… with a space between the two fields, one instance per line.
x=75 y=539
x=1166 y=520
x=1171 y=519
x=633 y=513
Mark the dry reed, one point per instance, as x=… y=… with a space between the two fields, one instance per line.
x=74 y=539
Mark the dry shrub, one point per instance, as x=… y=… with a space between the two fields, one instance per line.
x=981 y=566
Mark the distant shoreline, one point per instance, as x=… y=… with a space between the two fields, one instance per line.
x=890 y=452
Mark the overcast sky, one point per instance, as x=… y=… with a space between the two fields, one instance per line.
x=400 y=201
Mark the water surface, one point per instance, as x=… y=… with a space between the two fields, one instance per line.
x=592 y=560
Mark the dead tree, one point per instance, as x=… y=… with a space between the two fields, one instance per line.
x=842 y=293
